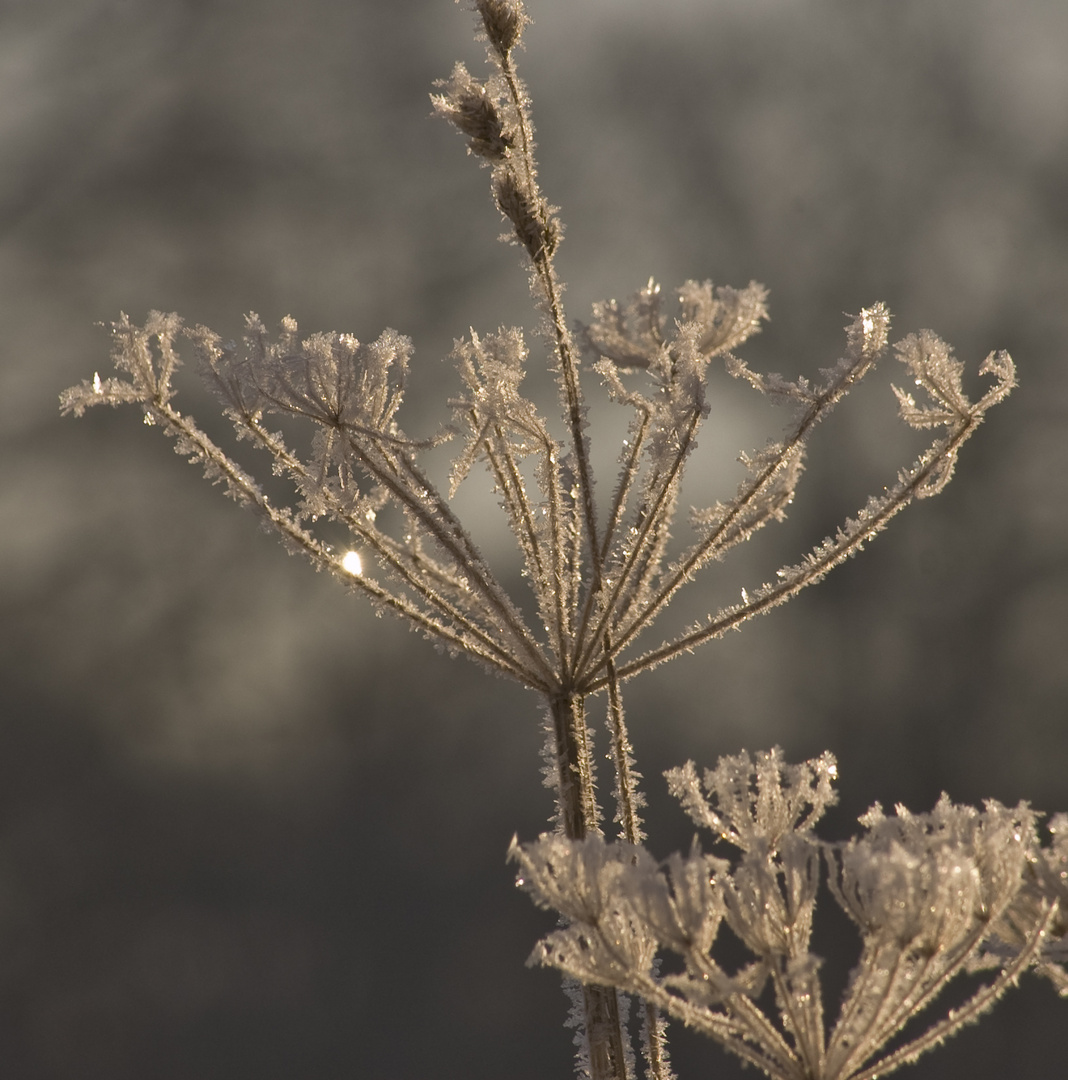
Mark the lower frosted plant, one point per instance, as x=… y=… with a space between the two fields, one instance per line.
x=600 y=578
x=933 y=896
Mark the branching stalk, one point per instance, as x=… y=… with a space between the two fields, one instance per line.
x=930 y=894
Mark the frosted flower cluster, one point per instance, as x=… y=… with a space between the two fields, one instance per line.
x=932 y=896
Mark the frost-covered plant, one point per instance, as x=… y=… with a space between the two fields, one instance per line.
x=600 y=577
x=933 y=896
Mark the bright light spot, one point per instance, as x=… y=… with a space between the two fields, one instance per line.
x=97 y=385
x=350 y=562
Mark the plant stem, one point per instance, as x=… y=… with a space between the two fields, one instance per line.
x=579 y=816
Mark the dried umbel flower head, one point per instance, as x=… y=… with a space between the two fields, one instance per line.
x=928 y=881
x=754 y=803
x=633 y=335
x=598 y=575
x=929 y=894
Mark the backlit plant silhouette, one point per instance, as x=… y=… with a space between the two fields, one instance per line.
x=931 y=894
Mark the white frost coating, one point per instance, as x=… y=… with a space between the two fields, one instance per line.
x=602 y=566
x=933 y=896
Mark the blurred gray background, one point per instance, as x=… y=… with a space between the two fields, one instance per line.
x=249 y=830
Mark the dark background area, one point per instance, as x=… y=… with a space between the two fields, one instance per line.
x=249 y=830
